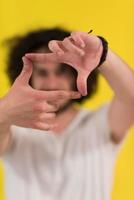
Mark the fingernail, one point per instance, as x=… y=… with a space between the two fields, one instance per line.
x=28 y=54
x=25 y=62
x=77 y=95
x=84 y=93
x=23 y=58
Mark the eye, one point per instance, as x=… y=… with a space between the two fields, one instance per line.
x=42 y=72
x=63 y=69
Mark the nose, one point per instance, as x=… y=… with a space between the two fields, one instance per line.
x=53 y=81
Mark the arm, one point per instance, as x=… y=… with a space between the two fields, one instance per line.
x=5 y=136
x=121 y=79
x=118 y=74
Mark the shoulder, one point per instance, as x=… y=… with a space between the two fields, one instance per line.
x=98 y=115
x=24 y=140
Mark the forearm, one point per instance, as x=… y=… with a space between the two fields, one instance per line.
x=5 y=131
x=5 y=138
x=119 y=76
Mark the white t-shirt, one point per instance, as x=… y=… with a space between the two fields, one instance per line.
x=74 y=165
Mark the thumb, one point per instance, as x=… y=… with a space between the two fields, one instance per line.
x=82 y=83
x=26 y=71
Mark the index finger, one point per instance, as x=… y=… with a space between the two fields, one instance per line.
x=42 y=57
x=54 y=95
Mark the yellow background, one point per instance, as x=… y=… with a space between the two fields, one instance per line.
x=111 y=19
x=124 y=174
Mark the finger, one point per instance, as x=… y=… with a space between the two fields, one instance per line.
x=54 y=95
x=42 y=57
x=55 y=46
x=26 y=71
x=76 y=36
x=43 y=126
x=45 y=116
x=48 y=57
x=89 y=40
x=45 y=107
x=68 y=44
x=82 y=84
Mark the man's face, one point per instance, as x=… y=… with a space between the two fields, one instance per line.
x=52 y=76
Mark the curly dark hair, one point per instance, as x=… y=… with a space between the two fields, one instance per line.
x=31 y=42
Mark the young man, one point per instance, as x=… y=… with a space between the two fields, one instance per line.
x=75 y=159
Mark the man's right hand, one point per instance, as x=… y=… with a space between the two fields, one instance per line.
x=26 y=107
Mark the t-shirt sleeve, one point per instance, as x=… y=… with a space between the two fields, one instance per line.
x=100 y=119
x=19 y=142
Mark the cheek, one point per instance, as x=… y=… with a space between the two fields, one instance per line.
x=70 y=83
x=36 y=82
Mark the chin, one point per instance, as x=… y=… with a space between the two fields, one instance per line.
x=64 y=106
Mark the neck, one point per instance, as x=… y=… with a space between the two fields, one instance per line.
x=64 y=118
